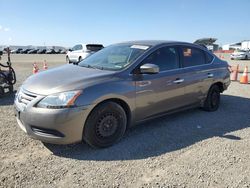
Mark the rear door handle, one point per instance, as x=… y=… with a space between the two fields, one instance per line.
x=178 y=81
x=210 y=75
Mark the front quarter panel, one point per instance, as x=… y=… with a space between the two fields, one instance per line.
x=113 y=88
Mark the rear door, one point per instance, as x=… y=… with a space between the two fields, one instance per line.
x=157 y=93
x=197 y=73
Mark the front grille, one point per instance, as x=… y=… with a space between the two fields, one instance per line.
x=25 y=97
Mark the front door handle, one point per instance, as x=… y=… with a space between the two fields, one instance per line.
x=178 y=81
x=210 y=75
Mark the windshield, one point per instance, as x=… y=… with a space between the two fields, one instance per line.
x=114 y=57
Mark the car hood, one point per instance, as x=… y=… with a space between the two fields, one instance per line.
x=64 y=78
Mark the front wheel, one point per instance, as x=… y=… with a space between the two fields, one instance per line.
x=67 y=60
x=105 y=125
x=11 y=89
x=212 y=101
x=1 y=91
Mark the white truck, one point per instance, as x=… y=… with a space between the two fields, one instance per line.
x=245 y=45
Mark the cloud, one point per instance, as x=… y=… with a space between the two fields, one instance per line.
x=6 y=29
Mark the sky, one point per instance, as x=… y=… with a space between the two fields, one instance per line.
x=68 y=22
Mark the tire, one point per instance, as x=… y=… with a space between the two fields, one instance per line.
x=11 y=89
x=67 y=60
x=97 y=130
x=79 y=59
x=1 y=91
x=212 y=101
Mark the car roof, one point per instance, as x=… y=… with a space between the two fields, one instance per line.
x=84 y=45
x=158 y=42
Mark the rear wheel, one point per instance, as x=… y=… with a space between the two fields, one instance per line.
x=79 y=59
x=212 y=101
x=105 y=125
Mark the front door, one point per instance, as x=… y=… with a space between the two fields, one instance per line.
x=161 y=92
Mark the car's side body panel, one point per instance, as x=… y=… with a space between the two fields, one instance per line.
x=156 y=93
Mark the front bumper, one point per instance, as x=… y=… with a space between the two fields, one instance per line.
x=57 y=126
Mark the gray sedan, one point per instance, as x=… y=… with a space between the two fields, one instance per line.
x=97 y=99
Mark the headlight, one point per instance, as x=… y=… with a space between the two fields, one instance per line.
x=60 y=100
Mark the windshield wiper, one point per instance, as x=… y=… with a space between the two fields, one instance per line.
x=99 y=67
x=95 y=67
x=88 y=66
x=92 y=67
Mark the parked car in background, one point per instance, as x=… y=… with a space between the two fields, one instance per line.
x=119 y=86
x=41 y=51
x=33 y=51
x=240 y=54
x=50 y=51
x=81 y=51
x=58 y=51
x=63 y=51
x=16 y=51
x=25 y=51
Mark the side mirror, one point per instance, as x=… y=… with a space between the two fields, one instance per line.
x=70 y=50
x=149 y=69
x=1 y=53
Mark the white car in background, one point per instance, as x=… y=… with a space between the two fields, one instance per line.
x=240 y=54
x=81 y=51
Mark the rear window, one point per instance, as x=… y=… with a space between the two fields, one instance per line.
x=193 y=57
x=94 y=47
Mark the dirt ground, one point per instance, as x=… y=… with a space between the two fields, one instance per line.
x=188 y=149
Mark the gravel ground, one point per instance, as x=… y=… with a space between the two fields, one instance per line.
x=188 y=149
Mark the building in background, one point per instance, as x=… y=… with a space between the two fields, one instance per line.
x=244 y=45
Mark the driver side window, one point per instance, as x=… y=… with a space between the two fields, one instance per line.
x=166 y=58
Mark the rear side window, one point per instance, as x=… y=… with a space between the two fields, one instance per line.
x=77 y=47
x=74 y=48
x=193 y=57
x=166 y=58
x=209 y=58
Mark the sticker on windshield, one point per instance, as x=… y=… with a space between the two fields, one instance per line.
x=142 y=47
